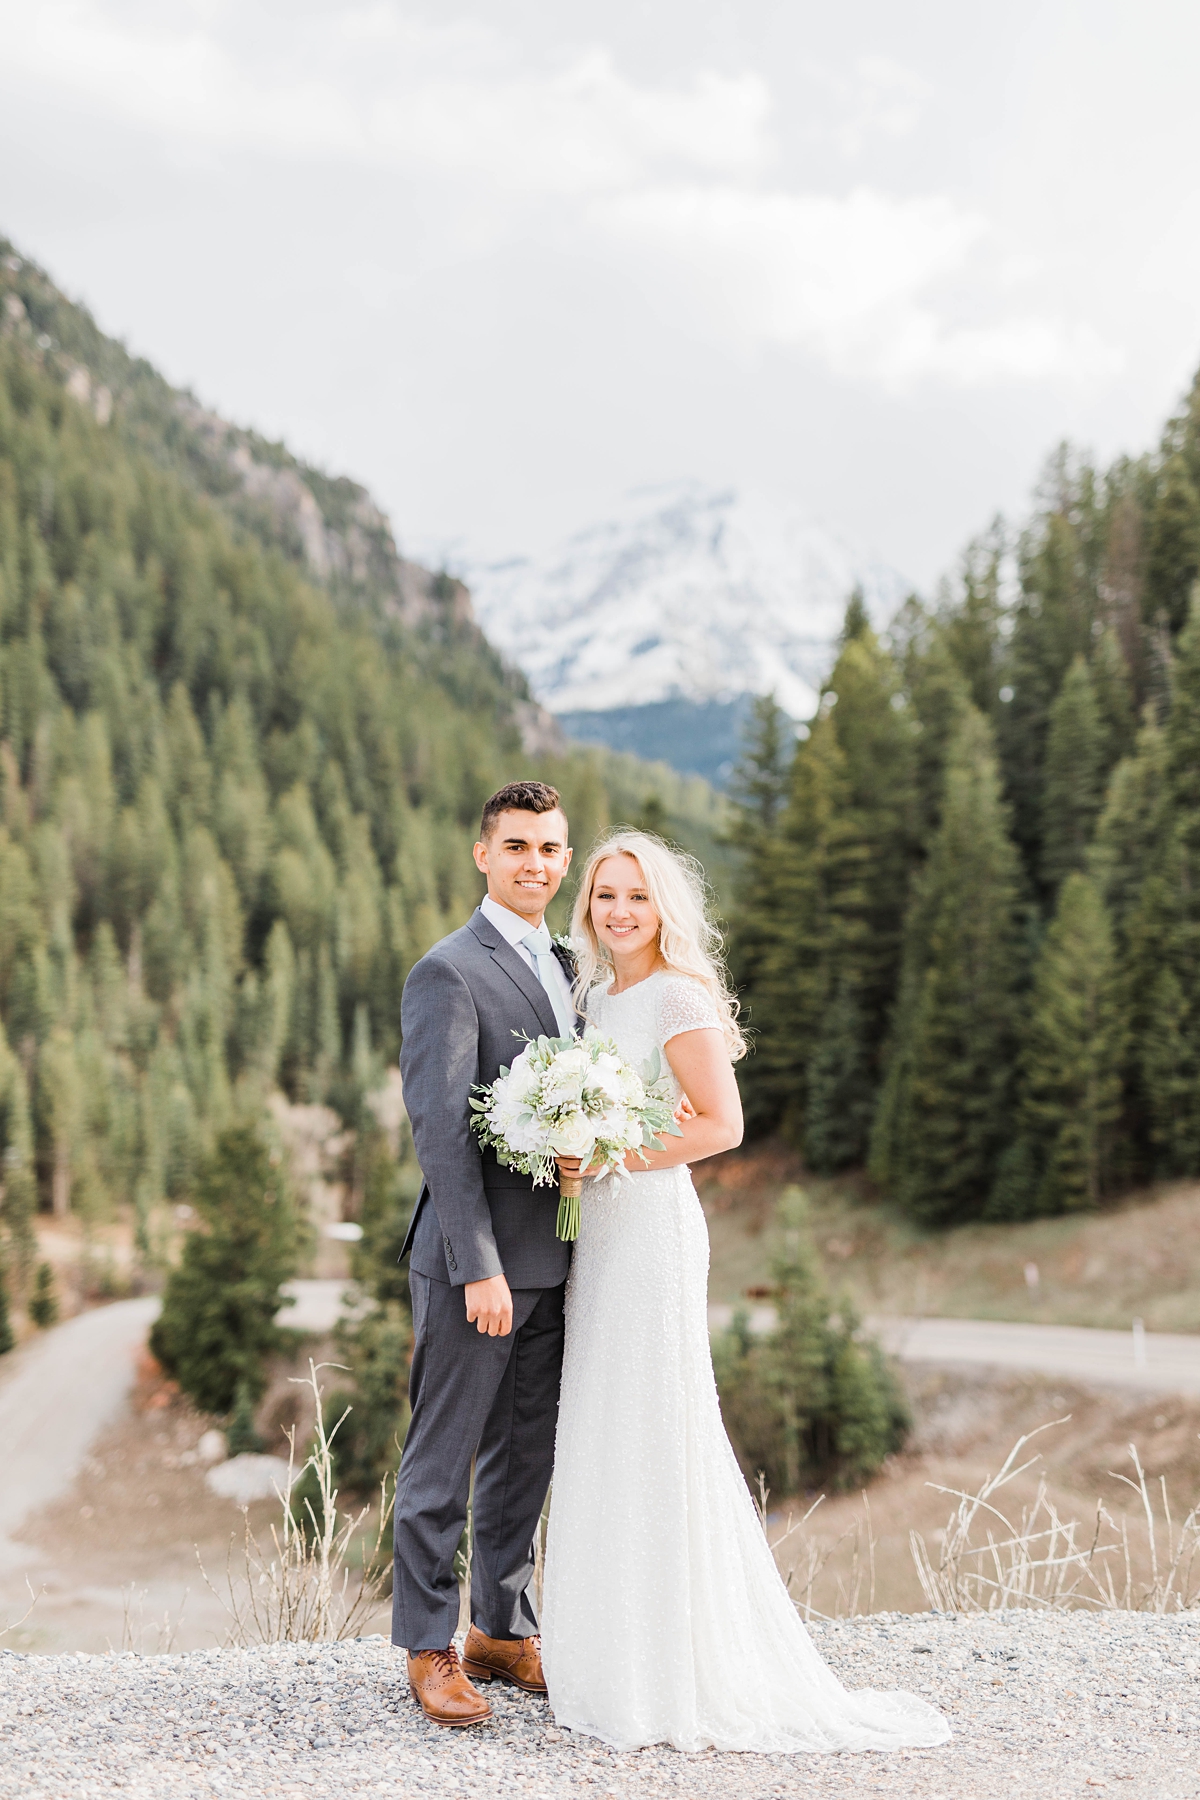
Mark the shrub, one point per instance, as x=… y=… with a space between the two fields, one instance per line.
x=810 y=1402
x=390 y=1187
x=6 y=1331
x=367 y=1448
x=43 y=1302
x=217 y=1326
x=242 y=1437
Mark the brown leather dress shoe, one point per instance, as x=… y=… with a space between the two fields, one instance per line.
x=518 y=1660
x=447 y=1697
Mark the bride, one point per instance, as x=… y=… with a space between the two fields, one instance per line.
x=664 y=1618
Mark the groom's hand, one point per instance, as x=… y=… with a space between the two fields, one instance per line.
x=489 y=1306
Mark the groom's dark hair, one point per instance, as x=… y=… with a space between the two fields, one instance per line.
x=518 y=796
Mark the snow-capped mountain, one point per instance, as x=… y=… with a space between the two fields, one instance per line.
x=690 y=594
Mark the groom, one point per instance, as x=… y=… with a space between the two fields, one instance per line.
x=487 y=1276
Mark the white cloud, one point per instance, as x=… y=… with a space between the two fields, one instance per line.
x=370 y=86
x=920 y=344
x=666 y=178
x=879 y=98
x=789 y=267
x=582 y=130
x=844 y=278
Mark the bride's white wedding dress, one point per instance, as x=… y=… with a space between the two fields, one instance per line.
x=664 y=1618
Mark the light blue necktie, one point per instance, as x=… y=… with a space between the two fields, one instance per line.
x=538 y=945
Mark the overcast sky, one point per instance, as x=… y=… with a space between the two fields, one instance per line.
x=504 y=262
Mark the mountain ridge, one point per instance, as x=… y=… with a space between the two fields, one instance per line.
x=328 y=525
x=689 y=593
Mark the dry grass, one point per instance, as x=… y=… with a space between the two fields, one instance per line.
x=1041 y=1560
x=994 y=1555
x=321 y=1577
x=15 y=1624
x=847 y=1560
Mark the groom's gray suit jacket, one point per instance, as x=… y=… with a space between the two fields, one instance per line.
x=462 y=1004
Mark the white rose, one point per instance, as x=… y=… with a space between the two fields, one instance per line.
x=525 y=1138
x=564 y=1086
x=607 y=1078
x=522 y=1078
x=632 y=1091
x=573 y=1136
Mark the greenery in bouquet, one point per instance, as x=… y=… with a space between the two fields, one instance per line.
x=574 y=1096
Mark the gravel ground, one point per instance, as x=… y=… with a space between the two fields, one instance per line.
x=1041 y=1705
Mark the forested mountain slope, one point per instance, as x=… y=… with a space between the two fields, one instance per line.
x=243 y=747
x=969 y=930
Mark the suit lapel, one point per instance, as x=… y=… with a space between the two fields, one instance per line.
x=566 y=963
x=517 y=970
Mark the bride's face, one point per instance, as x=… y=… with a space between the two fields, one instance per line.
x=622 y=917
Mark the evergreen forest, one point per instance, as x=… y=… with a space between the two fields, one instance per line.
x=243 y=749
x=967 y=934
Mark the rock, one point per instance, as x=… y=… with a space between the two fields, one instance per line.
x=211 y=1447
x=247 y=1478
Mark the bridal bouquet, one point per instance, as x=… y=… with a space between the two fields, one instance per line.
x=573 y=1096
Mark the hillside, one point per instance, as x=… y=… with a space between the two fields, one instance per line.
x=243 y=747
x=1136 y=1259
x=650 y=630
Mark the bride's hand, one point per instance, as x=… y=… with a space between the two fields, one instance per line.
x=684 y=1111
x=573 y=1165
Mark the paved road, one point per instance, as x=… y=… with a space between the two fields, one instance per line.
x=1152 y=1362
x=57 y=1392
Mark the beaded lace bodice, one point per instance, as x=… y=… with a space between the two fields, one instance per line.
x=648 y=1015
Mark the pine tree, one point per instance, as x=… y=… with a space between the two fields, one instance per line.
x=808 y=1402
x=1113 y=688
x=841 y=1088
x=828 y=907
x=217 y=1325
x=776 y=942
x=947 y=1108
x=1074 y=1050
x=1130 y=826
x=1163 y=930
x=939 y=698
x=1071 y=779
x=971 y=626
x=758 y=786
x=1053 y=622
x=1173 y=558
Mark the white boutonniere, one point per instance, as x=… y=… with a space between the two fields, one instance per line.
x=565 y=942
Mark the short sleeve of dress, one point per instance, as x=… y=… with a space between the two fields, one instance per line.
x=684 y=1005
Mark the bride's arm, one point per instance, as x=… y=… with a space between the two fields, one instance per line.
x=701 y=1065
x=700 y=1062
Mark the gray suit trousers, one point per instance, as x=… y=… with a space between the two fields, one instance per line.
x=494 y=1399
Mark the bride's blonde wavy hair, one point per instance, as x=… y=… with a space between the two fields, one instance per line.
x=688 y=941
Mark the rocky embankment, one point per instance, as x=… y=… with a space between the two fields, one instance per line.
x=1041 y=1705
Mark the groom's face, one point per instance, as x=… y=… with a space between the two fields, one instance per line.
x=525 y=857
